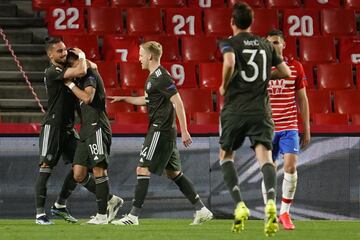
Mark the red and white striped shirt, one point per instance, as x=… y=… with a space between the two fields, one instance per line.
x=282 y=93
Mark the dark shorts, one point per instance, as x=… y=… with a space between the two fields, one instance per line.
x=55 y=142
x=94 y=150
x=159 y=152
x=286 y=142
x=235 y=128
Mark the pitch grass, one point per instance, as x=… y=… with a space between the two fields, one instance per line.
x=165 y=229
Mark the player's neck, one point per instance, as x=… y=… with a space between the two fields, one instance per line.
x=57 y=64
x=236 y=31
x=153 y=66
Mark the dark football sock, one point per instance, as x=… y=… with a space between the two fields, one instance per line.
x=40 y=189
x=231 y=179
x=140 y=194
x=187 y=188
x=269 y=175
x=102 y=193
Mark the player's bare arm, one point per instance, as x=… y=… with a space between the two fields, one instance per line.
x=180 y=113
x=227 y=71
x=282 y=71
x=91 y=64
x=80 y=69
x=304 y=111
x=140 y=101
x=86 y=95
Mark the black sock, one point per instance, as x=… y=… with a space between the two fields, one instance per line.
x=187 y=188
x=40 y=189
x=102 y=193
x=231 y=179
x=67 y=188
x=269 y=175
x=140 y=194
x=89 y=184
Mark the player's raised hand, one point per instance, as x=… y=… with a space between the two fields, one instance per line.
x=116 y=98
x=186 y=138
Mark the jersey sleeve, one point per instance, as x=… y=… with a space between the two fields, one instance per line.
x=225 y=46
x=300 y=81
x=90 y=80
x=166 y=86
x=55 y=74
x=276 y=60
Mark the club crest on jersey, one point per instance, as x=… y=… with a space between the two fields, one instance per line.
x=277 y=86
x=148 y=85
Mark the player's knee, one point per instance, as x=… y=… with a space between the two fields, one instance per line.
x=290 y=169
x=172 y=174
x=44 y=165
x=142 y=171
x=79 y=177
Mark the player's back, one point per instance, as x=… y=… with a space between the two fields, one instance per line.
x=247 y=89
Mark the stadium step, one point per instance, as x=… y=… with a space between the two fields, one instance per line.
x=21 y=117
x=29 y=63
x=14 y=77
x=8 y=92
x=8 y=10
x=21 y=104
x=18 y=37
x=21 y=22
x=23 y=49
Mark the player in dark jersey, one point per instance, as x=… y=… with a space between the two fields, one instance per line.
x=246 y=113
x=159 y=151
x=93 y=149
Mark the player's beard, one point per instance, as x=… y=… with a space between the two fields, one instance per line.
x=61 y=61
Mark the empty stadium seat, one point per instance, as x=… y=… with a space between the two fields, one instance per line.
x=282 y=3
x=196 y=100
x=167 y=3
x=132 y=76
x=355 y=119
x=40 y=5
x=65 y=20
x=183 y=21
x=252 y=3
x=104 y=20
x=121 y=49
x=346 y=101
x=206 y=3
x=113 y=108
x=349 y=50
x=358 y=76
x=128 y=3
x=290 y=50
x=320 y=4
x=210 y=75
x=137 y=24
x=335 y=76
x=330 y=119
x=199 y=49
x=264 y=21
x=309 y=73
x=352 y=4
x=217 y=21
x=204 y=118
x=90 y=3
x=87 y=43
x=319 y=101
x=131 y=118
x=108 y=72
x=301 y=22
x=184 y=74
x=338 y=22
x=317 y=49
x=169 y=44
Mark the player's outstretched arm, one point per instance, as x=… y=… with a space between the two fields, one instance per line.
x=140 y=101
x=80 y=69
x=180 y=113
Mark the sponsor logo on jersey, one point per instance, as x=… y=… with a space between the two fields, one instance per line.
x=277 y=86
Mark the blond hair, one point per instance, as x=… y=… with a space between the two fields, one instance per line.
x=154 y=48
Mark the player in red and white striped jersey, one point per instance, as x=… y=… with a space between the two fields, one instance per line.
x=285 y=95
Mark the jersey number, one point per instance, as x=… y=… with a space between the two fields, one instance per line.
x=254 y=65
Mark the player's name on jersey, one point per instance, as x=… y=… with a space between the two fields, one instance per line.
x=251 y=42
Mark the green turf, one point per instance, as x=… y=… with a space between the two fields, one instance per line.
x=165 y=229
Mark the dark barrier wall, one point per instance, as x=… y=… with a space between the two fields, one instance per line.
x=328 y=187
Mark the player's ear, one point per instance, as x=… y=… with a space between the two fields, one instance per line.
x=284 y=44
x=232 y=23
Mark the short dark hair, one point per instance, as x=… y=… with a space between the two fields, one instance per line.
x=276 y=32
x=243 y=15
x=50 y=41
x=71 y=56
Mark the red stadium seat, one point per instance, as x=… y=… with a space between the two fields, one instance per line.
x=332 y=25
x=317 y=49
x=131 y=118
x=217 y=21
x=290 y=49
x=104 y=20
x=352 y=4
x=170 y=46
x=358 y=76
x=337 y=76
x=301 y=22
x=330 y=119
x=65 y=20
x=320 y=4
x=167 y=3
x=252 y=3
x=137 y=24
x=347 y=101
x=319 y=101
x=282 y=3
x=87 y=43
x=210 y=75
x=183 y=21
x=199 y=49
x=206 y=3
x=355 y=119
x=349 y=50
x=264 y=21
x=132 y=76
x=196 y=100
x=121 y=49
x=204 y=118
x=184 y=74
x=108 y=72
x=309 y=73
x=113 y=108
x=40 y=5
x=89 y=3
x=128 y=3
